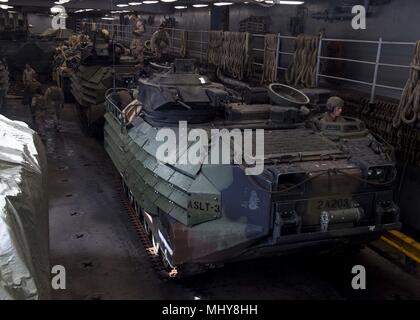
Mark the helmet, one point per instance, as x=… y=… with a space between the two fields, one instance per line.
x=333 y=103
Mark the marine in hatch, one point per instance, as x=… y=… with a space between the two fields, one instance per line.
x=335 y=106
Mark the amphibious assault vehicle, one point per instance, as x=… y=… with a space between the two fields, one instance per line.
x=323 y=184
x=95 y=74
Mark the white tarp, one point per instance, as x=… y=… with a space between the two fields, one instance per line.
x=24 y=229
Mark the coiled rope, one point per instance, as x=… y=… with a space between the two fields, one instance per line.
x=302 y=70
x=408 y=110
x=215 y=48
x=183 y=46
x=270 y=55
x=231 y=52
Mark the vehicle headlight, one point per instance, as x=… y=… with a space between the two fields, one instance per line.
x=380 y=174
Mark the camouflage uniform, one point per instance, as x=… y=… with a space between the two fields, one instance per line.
x=137 y=44
x=137 y=50
x=30 y=90
x=28 y=79
x=54 y=98
x=29 y=76
x=40 y=108
x=329 y=118
x=160 y=43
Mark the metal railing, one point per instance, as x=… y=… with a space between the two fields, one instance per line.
x=197 y=43
x=112 y=108
x=377 y=63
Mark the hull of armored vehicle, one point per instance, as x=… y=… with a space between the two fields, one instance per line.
x=322 y=184
x=88 y=86
x=210 y=214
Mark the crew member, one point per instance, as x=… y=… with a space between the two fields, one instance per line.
x=29 y=75
x=335 y=107
x=160 y=42
x=30 y=86
x=31 y=89
x=40 y=108
x=54 y=98
x=137 y=44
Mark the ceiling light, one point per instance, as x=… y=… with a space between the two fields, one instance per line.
x=180 y=7
x=62 y=1
x=107 y=18
x=57 y=9
x=122 y=5
x=223 y=3
x=292 y=2
x=200 y=5
x=150 y=2
x=4 y=0
x=168 y=0
x=134 y=3
x=87 y=10
x=5 y=6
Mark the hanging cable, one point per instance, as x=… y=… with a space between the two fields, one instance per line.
x=408 y=110
x=270 y=55
x=183 y=44
x=302 y=70
x=215 y=48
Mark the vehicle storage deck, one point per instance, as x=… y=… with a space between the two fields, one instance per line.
x=92 y=237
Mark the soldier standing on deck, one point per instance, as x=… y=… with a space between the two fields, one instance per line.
x=40 y=109
x=29 y=75
x=137 y=44
x=54 y=98
x=31 y=85
x=160 y=41
x=31 y=90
